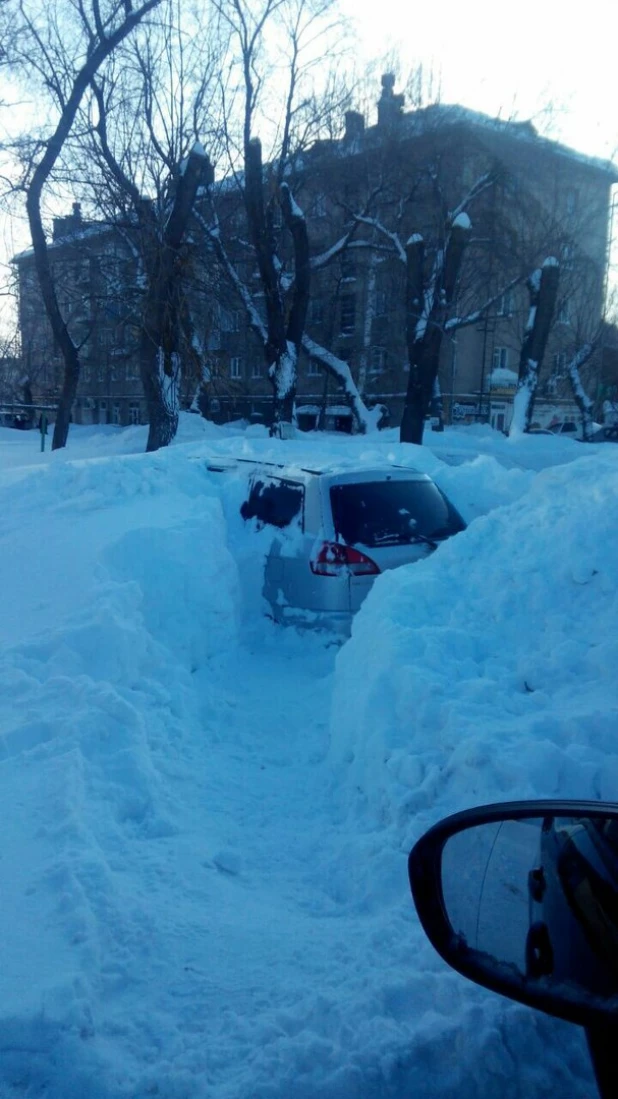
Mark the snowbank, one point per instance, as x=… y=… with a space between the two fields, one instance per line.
x=488 y=670
x=118 y=590
x=203 y=898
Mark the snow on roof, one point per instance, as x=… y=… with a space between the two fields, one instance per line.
x=427 y=119
x=94 y=229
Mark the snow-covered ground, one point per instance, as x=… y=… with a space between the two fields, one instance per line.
x=206 y=818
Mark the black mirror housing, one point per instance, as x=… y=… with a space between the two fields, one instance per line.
x=563 y=830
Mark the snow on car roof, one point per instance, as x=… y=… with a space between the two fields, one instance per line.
x=292 y=469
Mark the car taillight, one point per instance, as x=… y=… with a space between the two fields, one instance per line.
x=333 y=557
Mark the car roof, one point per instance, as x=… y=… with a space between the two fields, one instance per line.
x=341 y=472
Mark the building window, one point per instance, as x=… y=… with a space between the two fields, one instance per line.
x=564 y=313
x=132 y=371
x=560 y=361
x=258 y=369
x=215 y=405
x=231 y=320
x=348 y=315
x=500 y=358
x=116 y=418
x=134 y=416
x=319 y=206
x=378 y=359
x=348 y=266
x=102 y=412
x=100 y=373
x=314 y=368
x=571 y=200
x=505 y=304
x=316 y=312
x=380 y=303
x=235 y=367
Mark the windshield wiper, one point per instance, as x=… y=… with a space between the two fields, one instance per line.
x=423 y=538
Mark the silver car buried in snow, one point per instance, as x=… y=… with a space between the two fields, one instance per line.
x=335 y=530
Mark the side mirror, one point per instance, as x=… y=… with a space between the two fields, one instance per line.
x=523 y=899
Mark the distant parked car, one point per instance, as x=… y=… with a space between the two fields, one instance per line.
x=339 y=529
x=566 y=427
x=607 y=433
x=573 y=429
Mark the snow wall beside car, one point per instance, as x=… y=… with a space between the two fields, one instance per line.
x=489 y=671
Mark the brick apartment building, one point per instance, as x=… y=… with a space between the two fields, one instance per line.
x=398 y=176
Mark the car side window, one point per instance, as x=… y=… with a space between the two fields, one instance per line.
x=275 y=503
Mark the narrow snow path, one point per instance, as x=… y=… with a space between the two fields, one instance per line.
x=234 y=894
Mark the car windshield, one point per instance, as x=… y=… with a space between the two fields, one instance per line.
x=392 y=512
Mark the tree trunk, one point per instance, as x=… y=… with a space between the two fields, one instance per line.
x=67 y=396
x=161 y=345
x=426 y=312
x=161 y=377
x=286 y=371
x=275 y=348
x=28 y=400
x=581 y=398
x=543 y=289
x=283 y=340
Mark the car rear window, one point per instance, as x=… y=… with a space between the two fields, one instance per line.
x=274 y=502
x=392 y=512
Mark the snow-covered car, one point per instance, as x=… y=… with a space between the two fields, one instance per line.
x=337 y=530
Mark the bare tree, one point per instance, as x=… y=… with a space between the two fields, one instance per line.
x=300 y=29
x=65 y=63
x=155 y=231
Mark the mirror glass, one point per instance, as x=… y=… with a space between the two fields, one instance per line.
x=539 y=895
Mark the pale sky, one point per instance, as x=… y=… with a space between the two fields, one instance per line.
x=501 y=58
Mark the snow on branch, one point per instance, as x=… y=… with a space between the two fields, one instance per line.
x=482 y=184
x=290 y=205
x=368 y=418
x=478 y=314
x=394 y=238
x=344 y=242
x=214 y=235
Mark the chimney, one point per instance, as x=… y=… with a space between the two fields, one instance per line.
x=70 y=223
x=390 y=106
x=354 y=125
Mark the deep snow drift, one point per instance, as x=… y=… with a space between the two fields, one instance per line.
x=206 y=818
